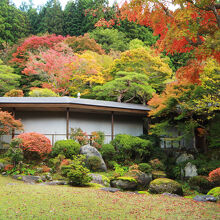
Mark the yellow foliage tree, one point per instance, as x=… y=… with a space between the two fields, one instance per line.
x=89 y=69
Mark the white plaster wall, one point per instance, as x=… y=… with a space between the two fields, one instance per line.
x=53 y=124
x=128 y=125
x=43 y=122
x=90 y=122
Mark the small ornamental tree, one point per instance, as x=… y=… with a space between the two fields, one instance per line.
x=14 y=93
x=34 y=145
x=8 y=123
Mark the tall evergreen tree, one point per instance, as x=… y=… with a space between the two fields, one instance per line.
x=51 y=18
x=13 y=23
x=78 y=20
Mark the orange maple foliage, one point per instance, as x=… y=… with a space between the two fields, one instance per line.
x=8 y=123
x=173 y=90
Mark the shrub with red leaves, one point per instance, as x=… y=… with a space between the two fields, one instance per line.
x=8 y=167
x=34 y=145
x=214 y=176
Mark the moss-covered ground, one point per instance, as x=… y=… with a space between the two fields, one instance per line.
x=24 y=201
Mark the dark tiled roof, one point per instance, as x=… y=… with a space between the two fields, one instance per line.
x=68 y=100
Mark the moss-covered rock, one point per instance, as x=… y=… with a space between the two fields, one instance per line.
x=215 y=192
x=125 y=183
x=158 y=174
x=162 y=185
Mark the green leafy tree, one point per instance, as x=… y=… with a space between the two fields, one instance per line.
x=133 y=30
x=110 y=39
x=8 y=80
x=126 y=87
x=144 y=61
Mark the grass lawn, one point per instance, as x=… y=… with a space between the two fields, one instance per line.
x=23 y=201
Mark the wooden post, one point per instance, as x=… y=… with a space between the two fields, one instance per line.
x=112 y=127
x=67 y=122
x=13 y=130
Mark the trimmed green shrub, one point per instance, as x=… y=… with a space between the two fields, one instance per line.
x=200 y=183
x=145 y=167
x=108 y=152
x=66 y=147
x=131 y=148
x=76 y=173
x=93 y=163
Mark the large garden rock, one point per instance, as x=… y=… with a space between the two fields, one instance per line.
x=184 y=157
x=206 y=198
x=28 y=179
x=99 y=179
x=90 y=151
x=162 y=185
x=125 y=183
x=144 y=180
x=190 y=170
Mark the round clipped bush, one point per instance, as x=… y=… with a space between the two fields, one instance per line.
x=214 y=176
x=93 y=163
x=200 y=183
x=215 y=192
x=162 y=185
x=66 y=147
x=34 y=145
x=108 y=152
x=131 y=148
x=145 y=167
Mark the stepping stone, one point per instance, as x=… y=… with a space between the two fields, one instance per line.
x=206 y=198
x=110 y=189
